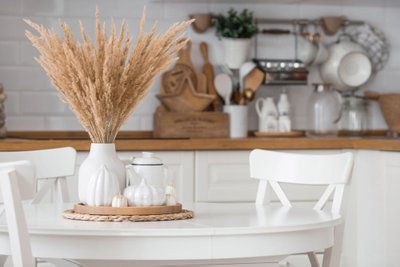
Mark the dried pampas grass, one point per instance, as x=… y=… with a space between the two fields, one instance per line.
x=104 y=81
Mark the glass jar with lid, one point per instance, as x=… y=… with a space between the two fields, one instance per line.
x=324 y=111
x=354 y=120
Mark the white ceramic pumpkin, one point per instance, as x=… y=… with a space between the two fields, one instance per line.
x=119 y=201
x=129 y=193
x=170 y=194
x=145 y=194
x=103 y=186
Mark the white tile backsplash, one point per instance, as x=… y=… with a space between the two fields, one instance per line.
x=12 y=103
x=42 y=103
x=33 y=103
x=11 y=7
x=42 y=7
x=8 y=53
x=60 y=123
x=21 y=123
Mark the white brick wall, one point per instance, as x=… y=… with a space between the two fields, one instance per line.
x=33 y=103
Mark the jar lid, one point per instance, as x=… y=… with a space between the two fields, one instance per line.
x=321 y=86
x=147 y=158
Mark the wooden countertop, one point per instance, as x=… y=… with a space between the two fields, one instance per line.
x=142 y=141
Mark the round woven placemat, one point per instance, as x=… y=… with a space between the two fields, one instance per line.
x=183 y=215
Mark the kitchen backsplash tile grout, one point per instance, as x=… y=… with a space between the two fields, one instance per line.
x=26 y=83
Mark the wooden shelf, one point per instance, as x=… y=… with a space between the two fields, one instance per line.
x=143 y=141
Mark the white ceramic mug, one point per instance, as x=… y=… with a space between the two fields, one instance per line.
x=237 y=120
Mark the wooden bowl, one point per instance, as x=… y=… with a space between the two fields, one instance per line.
x=187 y=99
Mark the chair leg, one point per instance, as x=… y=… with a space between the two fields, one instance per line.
x=313 y=259
x=47 y=184
x=327 y=262
x=62 y=189
x=3 y=259
x=333 y=254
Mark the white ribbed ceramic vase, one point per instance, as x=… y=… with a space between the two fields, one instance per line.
x=100 y=154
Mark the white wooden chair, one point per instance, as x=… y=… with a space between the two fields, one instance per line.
x=333 y=170
x=52 y=166
x=17 y=182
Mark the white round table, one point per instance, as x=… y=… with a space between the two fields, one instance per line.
x=219 y=232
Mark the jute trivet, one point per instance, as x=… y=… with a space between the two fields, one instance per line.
x=183 y=215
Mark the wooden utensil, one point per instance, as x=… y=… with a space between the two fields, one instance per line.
x=202 y=22
x=208 y=71
x=172 y=79
x=254 y=79
x=248 y=95
x=223 y=85
x=200 y=84
x=187 y=99
x=331 y=25
x=371 y=95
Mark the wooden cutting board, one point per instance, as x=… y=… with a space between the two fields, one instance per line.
x=208 y=71
x=172 y=79
x=184 y=58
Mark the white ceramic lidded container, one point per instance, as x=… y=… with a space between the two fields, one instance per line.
x=150 y=168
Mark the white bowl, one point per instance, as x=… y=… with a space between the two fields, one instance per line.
x=329 y=70
x=355 y=69
x=322 y=54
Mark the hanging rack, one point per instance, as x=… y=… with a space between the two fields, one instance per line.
x=298 y=23
x=345 y=21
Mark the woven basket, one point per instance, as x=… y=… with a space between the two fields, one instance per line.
x=390 y=106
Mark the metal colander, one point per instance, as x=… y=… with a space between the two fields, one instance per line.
x=373 y=41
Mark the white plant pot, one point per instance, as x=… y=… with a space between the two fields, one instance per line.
x=100 y=154
x=236 y=51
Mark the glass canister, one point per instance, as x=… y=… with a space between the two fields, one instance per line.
x=354 y=120
x=324 y=111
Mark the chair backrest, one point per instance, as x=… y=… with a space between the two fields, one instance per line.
x=16 y=183
x=272 y=167
x=48 y=163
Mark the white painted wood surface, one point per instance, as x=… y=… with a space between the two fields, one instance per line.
x=371 y=232
x=52 y=167
x=281 y=167
x=219 y=232
x=16 y=182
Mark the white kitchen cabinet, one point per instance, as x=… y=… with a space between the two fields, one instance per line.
x=372 y=234
x=223 y=176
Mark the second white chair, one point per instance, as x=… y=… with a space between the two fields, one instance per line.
x=52 y=166
x=333 y=170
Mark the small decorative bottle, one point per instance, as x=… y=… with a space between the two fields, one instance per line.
x=284 y=123
x=271 y=118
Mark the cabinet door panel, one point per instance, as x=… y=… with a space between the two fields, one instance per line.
x=224 y=176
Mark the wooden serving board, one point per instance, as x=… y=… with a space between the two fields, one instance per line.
x=280 y=134
x=190 y=124
x=151 y=210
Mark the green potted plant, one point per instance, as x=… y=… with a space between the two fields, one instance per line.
x=236 y=30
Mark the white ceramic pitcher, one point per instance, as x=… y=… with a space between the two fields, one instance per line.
x=266 y=107
x=267 y=114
